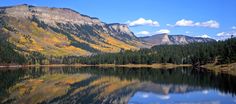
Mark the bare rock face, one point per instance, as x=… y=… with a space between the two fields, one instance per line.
x=165 y=39
x=160 y=39
x=122 y=31
x=179 y=39
x=182 y=39
x=62 y=31
x=157 y=39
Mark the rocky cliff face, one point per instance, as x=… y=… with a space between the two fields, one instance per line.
x=182 y=39
x=160 y=39
x=62 y=31
x=121 y=31
x=157 y=39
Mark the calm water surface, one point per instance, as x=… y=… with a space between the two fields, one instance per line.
x=94 y=85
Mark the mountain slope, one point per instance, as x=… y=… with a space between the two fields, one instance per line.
x=62 y=31
x=173 y=39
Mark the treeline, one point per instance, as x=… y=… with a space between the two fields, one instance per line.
x=195 y=53
x=220 y=52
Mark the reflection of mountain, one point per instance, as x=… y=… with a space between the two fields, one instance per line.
x=166 y=89
x=83 y=88
x=90 y=85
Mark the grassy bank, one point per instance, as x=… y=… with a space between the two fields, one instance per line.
x=168 y=66
x=106 y=65
x=225 y=68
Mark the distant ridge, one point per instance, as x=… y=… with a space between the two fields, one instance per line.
x=159 y=39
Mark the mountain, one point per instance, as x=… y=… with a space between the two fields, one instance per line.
x=173 y=39
x=62 y=31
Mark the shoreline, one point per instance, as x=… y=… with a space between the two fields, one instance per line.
x=51 y=65
x=168 y=65
x=223 y=68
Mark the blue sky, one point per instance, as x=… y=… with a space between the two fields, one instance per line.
x=213 y=18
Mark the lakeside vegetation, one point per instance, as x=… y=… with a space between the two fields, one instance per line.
x=222 y=68
x=221 y=52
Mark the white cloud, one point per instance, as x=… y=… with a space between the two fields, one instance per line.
x=142 y=22
x=170 y=25
x=163 y=31
x=221 y=34
x=187 y=32
x=205 y=36
x=209 y=24
x=225 y=35
x=143 y=33
x=234 y=27
x=190 y=23
x=184 y=22
x=147 y=33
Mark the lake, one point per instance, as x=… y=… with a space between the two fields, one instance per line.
x=97 y=85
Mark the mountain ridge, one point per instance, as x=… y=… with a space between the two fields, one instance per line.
x=63 y=31
x=66 y=32
x=160 y=39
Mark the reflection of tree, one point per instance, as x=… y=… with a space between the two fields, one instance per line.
x=11 y=77
x=179 y=76
x=119 y=84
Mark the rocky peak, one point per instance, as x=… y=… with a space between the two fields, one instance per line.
x=178 y=39
x=157 y=39
x=165 y=39
x=121 y=29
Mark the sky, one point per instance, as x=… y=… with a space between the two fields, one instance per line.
x=200 y=18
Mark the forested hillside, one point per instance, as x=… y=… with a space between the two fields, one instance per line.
x=9 y=55
x=195 y=53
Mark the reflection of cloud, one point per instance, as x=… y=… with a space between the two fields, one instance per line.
x=207 y=102
x=145 y=95
x=205 y=92
x=221 y=94
x=235 y=100
x=164 y=97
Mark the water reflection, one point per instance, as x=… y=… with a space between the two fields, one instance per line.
x=114 y=85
